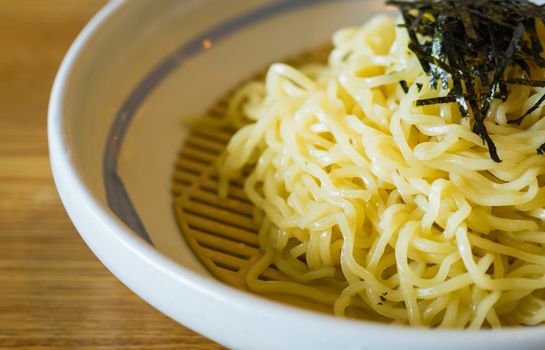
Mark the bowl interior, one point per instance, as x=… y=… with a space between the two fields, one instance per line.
x=161 y=62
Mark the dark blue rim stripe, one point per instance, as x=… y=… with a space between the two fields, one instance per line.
x=116 y=193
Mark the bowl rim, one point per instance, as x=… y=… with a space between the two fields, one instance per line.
x=64 y=170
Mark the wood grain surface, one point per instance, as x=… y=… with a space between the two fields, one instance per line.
x=54 y=293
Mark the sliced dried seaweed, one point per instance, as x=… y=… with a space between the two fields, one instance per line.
x=541 y=149
x=530 y=110
x=472 y=47
x=434 y=100
x=404 y=86
x=526 y=82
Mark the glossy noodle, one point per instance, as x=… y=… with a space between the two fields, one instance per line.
x=386 y=210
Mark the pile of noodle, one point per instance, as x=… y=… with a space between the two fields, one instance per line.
x=386 y=210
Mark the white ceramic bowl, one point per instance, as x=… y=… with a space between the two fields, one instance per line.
x=115 y=126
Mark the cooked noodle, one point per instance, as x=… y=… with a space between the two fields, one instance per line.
x=380 y=208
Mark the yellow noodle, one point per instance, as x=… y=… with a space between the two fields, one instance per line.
x=367 y=202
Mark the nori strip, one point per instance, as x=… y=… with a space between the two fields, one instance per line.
x=536 y=44
x=466 y=19
x=443 y=99
x=526 y=82
x=541 y=149
x=500 y=69
x=529 y=111
x=480 y=129
x=417 y=19
x=423 y=56
x=457 y=90
x=434 y=101
x=404 y=86
x=438 y=53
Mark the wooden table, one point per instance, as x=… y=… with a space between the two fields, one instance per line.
x=54 y=293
